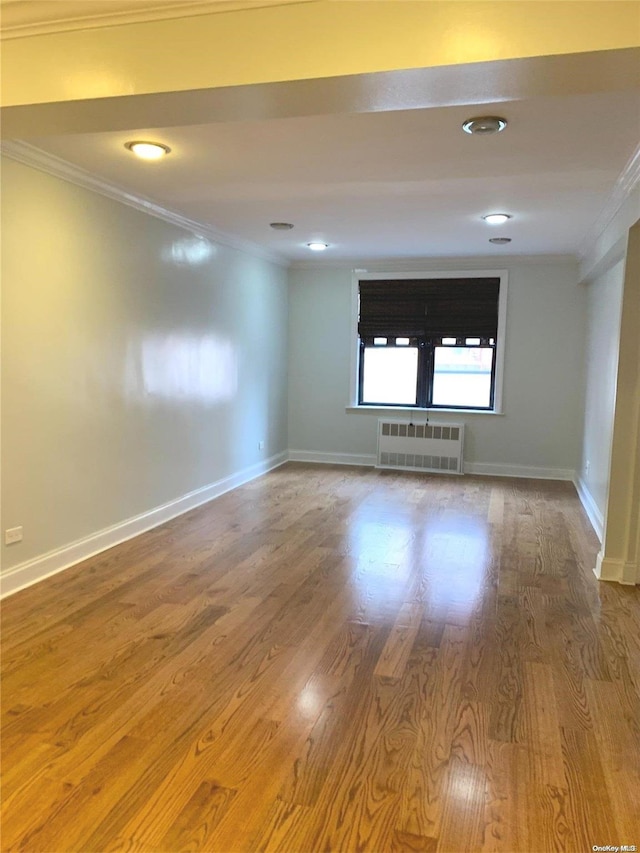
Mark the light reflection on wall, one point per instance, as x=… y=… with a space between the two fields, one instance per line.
x=95 y=84
x=184 y=367
x=467 y=44
x=189 y=252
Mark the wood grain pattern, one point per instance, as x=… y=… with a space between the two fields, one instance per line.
x=329 y=659
x=502 y=830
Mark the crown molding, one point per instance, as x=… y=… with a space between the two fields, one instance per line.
x=451 y=262
x=626 y=183
x=100 y=17
x=28 y=154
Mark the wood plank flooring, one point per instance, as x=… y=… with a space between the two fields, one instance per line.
x=330 y=659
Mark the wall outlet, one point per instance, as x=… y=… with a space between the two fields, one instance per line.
x=12 y=534
x=261 y=445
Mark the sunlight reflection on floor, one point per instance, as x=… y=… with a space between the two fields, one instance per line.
x=441 y=563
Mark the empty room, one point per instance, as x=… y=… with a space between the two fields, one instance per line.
x=320 y=425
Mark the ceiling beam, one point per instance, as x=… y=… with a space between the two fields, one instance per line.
x=420 y=88
x=304 y=41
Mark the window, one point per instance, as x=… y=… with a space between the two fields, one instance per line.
x=429 y=342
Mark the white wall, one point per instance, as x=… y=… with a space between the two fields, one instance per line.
x=540 y=429
x=610 y=488
x=138 y=362
x=604 y=299
x=619 y=558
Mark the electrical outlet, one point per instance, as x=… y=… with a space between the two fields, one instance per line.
x=12 y=534
x=261 y=445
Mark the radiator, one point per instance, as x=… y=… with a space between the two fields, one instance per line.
x=420 y=447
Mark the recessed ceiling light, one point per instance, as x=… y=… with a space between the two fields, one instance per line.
x=496 y=218
x=281 y=226
x=500 y=241
x=484 y=125
x=318 y=247
x=148 y=150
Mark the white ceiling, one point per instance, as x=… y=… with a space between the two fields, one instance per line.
x=395 y=183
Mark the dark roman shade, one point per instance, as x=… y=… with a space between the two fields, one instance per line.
x=456 y=307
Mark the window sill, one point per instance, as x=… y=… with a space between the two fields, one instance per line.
x=408 y=410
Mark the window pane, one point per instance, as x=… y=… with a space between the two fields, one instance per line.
x=380 y=342
x=402 y=342
x=390 y=375
x=462 y=376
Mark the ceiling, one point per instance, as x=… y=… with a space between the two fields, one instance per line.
x=370 y=177
x=388 y=184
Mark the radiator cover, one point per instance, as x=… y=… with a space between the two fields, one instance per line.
x=407 y=446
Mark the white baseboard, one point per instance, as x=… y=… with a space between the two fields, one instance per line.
x=616 y=570
x=498 y=469
x=34 y=570
x=489 y=468
x=332 y=458
x=590 y=507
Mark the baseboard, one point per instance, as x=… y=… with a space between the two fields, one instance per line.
x=590 y=507
x=34 y=570
x=498 y=469
x=488 y=468
x=616 y=570
x=332 y=458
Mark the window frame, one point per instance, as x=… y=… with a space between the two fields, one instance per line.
x=499 y=356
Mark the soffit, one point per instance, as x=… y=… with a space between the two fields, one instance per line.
x=304 y=41
x=20 y=18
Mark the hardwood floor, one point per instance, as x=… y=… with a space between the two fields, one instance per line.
x=330 y=659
